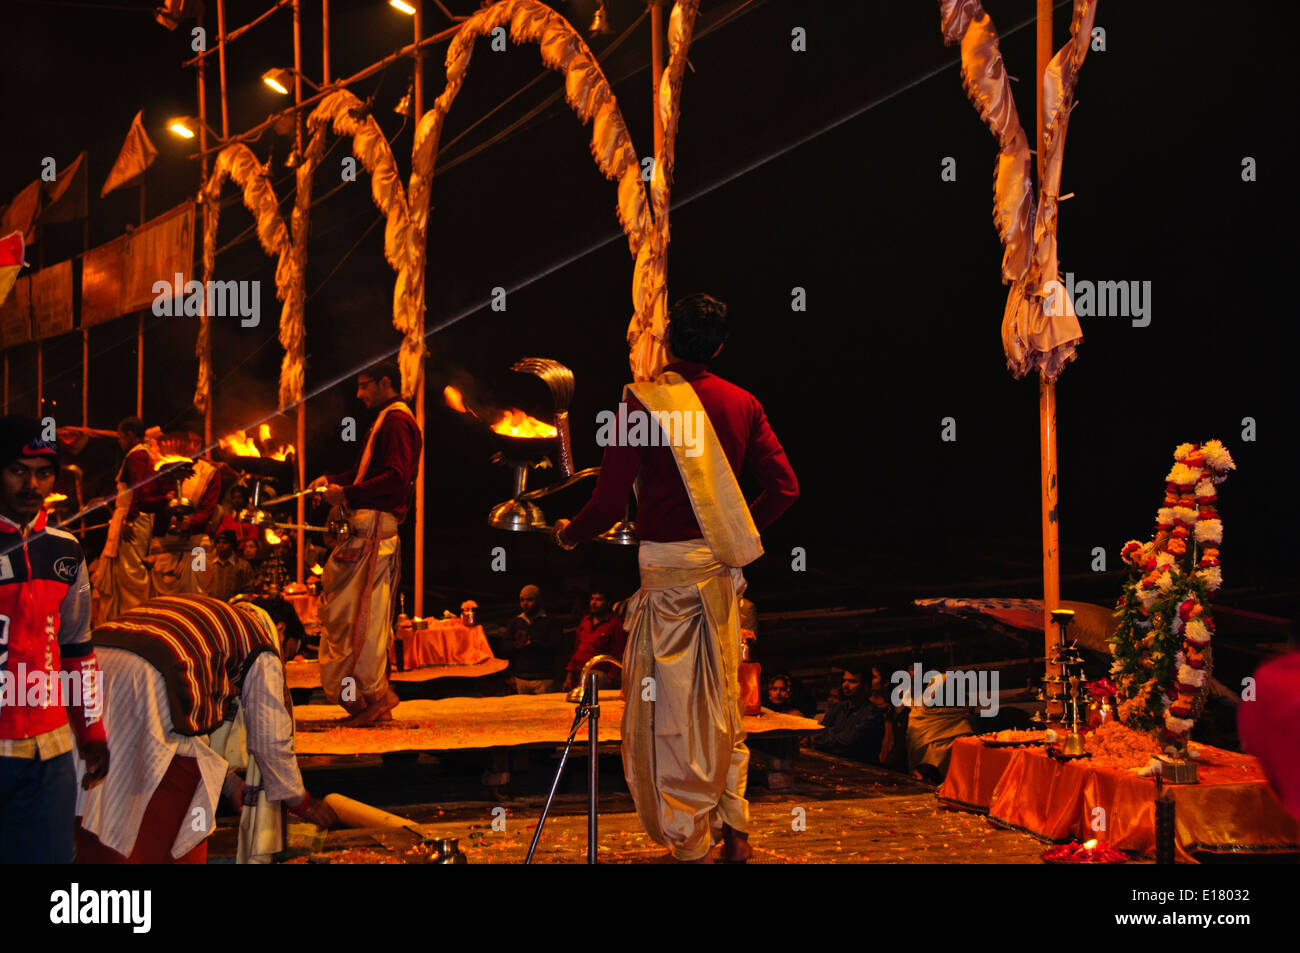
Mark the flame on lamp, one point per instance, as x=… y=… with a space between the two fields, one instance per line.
x=1090 y=845
x=240 y=444
x=455 y=401
x=516 y=423
x=169 y=458
x=273 y=537
x=54 y=499
x=318 y=570
x=511 y=423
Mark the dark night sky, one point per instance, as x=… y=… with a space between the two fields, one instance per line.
x=901 y=269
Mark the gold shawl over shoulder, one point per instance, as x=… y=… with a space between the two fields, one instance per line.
x=369 y=448
x=719 y=506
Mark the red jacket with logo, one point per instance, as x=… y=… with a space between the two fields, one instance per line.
x=45 y=630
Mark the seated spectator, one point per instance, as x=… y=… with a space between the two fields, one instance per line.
x=254 y=553
x=855 y=725
x=779 y=689
x=931 y=730
x=600 y=632
x=531 y=645
x=230 y=517
x=228 y=574
x=893 y=746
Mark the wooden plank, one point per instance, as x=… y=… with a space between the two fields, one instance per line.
x=510 y=721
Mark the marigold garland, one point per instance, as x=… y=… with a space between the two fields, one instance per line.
x=1162 y=646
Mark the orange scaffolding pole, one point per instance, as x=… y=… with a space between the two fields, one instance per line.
x=1047 y=419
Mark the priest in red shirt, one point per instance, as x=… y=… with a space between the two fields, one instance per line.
x=359 y=586
x=687 y=435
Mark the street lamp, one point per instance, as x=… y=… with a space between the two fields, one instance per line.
x=186 y=127
x=403 y=6
x=280 y=79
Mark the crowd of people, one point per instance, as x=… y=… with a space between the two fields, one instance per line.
x=168 y=699
x=543 y=657
x=155 y=547
x=863 y=723
x=181 y=667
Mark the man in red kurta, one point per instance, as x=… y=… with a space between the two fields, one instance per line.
x=600 y=632
x=361 y=577
x=683 y=743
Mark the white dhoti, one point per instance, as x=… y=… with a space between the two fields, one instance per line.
x=136 y=708
x=684 y=751
x=173 y=565
x=356 y=609
x=121 y=579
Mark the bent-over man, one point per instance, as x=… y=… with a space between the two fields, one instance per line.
x=176 y=669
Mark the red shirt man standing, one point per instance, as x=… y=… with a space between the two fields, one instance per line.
x=687 y=435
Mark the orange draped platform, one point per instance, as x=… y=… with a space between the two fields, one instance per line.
x=444 y=642
x=1231 y=811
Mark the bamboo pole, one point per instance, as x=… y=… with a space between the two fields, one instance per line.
x=325 y=42
x=203 y=178
x=300 y=448
x=85 y=337
x=139 y=367
x=1047 y=418
x=376 y=67
x=139 y=332
x=236 y=33
x=40 y=347
x=417 y=101
x=221 y=67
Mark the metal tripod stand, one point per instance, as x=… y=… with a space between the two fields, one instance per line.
x=588 y=708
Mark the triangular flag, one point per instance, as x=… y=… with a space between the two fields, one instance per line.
x=172 y=12
x=137 y=155
x=11 y=260
x=65 y=197
x=20 y=214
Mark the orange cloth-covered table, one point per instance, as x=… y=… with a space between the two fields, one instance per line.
x=443 y=642
x=1232 y=809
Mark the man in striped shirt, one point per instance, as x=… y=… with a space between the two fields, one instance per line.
x=174 y=670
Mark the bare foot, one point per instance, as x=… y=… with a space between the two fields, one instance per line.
x=735 y=846
x=378 y=710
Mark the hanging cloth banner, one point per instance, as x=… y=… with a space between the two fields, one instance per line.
x=16 y=314
x=118 y=277
x=52 y=300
